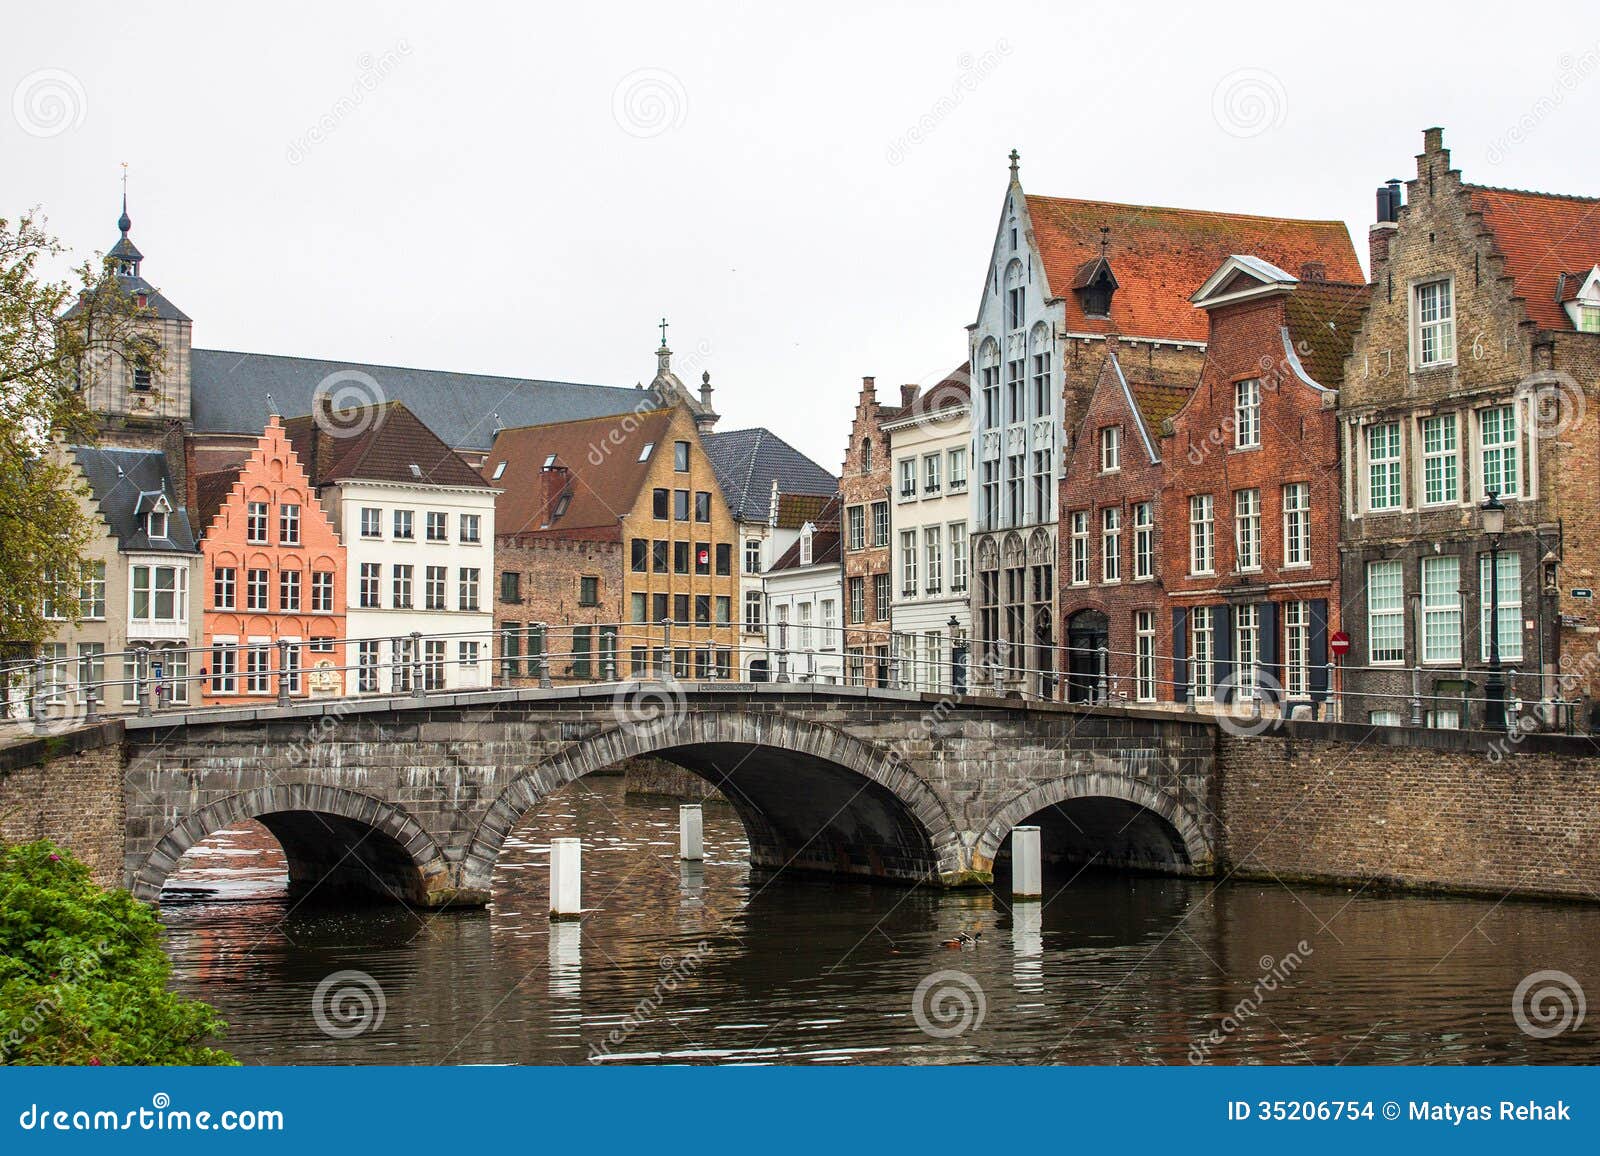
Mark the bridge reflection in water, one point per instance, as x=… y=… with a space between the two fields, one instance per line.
x=1113 y=967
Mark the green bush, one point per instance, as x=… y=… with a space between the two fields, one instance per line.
x=83 y=977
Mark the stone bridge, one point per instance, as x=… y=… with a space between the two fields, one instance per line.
x=412 y=798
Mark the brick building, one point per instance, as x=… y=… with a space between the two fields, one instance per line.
x=273 y=579
x=607 y=527
x=1475 y=372
x=1063 y=273
x=864 y=493
x=1112 y=606
x=1250 y=503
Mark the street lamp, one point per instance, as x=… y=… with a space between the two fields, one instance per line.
x=958 y=659
x=1494 y=687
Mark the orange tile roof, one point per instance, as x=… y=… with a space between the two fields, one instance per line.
x=604 y=473
x=1160 y=256
x=1541 y=235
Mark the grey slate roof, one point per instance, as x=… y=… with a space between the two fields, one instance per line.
x=747 y=460
x=230 y=395
x=126 y=483
x=155 y=304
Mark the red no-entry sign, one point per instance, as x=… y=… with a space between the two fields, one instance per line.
x=1339 y=643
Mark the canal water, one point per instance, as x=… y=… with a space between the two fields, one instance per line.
x=712 y=965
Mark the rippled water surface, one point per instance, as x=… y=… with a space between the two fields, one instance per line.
x=709 y=965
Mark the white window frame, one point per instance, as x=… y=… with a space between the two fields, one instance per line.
x=1247 y=530
x=1202 y=650
x=1387 y=622
x=1144 y=634
x=1510 y=600
x=1505 y=451
x=907 y=469
x=1247 y=414
x=1296 y=524
x=932 y=473
x=1441 y=457
x=1440 y=608
x=908 y=563
x=1080 y=547
x=1297 y=648
x=933 y=559
x=1202 y=534
x=1144 y=541
x=1110 y=449
x=1389 y=463
x=1111 y=544
x=1440 y=327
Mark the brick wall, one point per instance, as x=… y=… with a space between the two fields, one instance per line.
x=552 y=570
x=863 y=484
x=1422 y=809
x=68 y=788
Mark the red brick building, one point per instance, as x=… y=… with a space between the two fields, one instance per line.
x=1250 y=502
x=864 y=492
x=1112 y=610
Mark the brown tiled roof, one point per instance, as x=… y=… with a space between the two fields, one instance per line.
x=211 y=491
x=383 y=443
x=604 y=473
x=824 y=549
x=1541 y=235
x=795 y=510
x=1322 y=319
x=1160 y=256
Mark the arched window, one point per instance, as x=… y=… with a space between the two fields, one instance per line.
x=866 y=455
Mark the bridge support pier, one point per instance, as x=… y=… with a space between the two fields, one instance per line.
x=691 y=828
x=566 y=879
x=1027 y=874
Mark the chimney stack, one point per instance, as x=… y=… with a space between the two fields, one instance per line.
x=1313 y=271
x=555 y=483
x=908 y=395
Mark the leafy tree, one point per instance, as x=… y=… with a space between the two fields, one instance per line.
x=45 y=354
x=83 y=976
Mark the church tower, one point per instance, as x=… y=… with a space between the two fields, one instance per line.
x=139 y=388
x=670 y=390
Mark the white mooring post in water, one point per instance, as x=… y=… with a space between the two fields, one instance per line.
x=691 y=828
x=1026 y=875
x=566 y=878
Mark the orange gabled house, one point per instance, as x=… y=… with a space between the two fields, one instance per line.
x=272 y=582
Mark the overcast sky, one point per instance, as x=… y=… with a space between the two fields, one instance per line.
x=807 y=192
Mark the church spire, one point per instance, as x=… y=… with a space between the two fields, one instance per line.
x=124 y=257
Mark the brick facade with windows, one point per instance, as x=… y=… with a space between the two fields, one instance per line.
x=864 y=489
x=551 y=576
x=1111 y=495
x=1471 y=373
x=258 y=575
x=1258 y=439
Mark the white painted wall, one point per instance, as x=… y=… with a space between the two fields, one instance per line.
x=345 y=502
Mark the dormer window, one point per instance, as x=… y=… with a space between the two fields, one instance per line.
x=1588 y=318
x=1094 y=284
x=157 y=527
x=805 y=546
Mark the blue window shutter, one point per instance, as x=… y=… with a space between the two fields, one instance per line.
x=1180 y=654
x=1269 y=648
x=1222 y=641
x=1319 y=649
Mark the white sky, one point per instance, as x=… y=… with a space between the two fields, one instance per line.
x=485 y=207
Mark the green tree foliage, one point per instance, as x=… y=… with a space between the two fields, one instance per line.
x=83 y=976
x=44 y=354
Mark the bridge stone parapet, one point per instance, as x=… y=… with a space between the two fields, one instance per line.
x=412 y=798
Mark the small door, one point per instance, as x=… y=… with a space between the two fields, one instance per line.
x=1087 y=632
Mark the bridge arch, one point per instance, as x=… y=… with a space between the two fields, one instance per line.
x=331 y=837
x=1154 y=829
x=811 y=796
